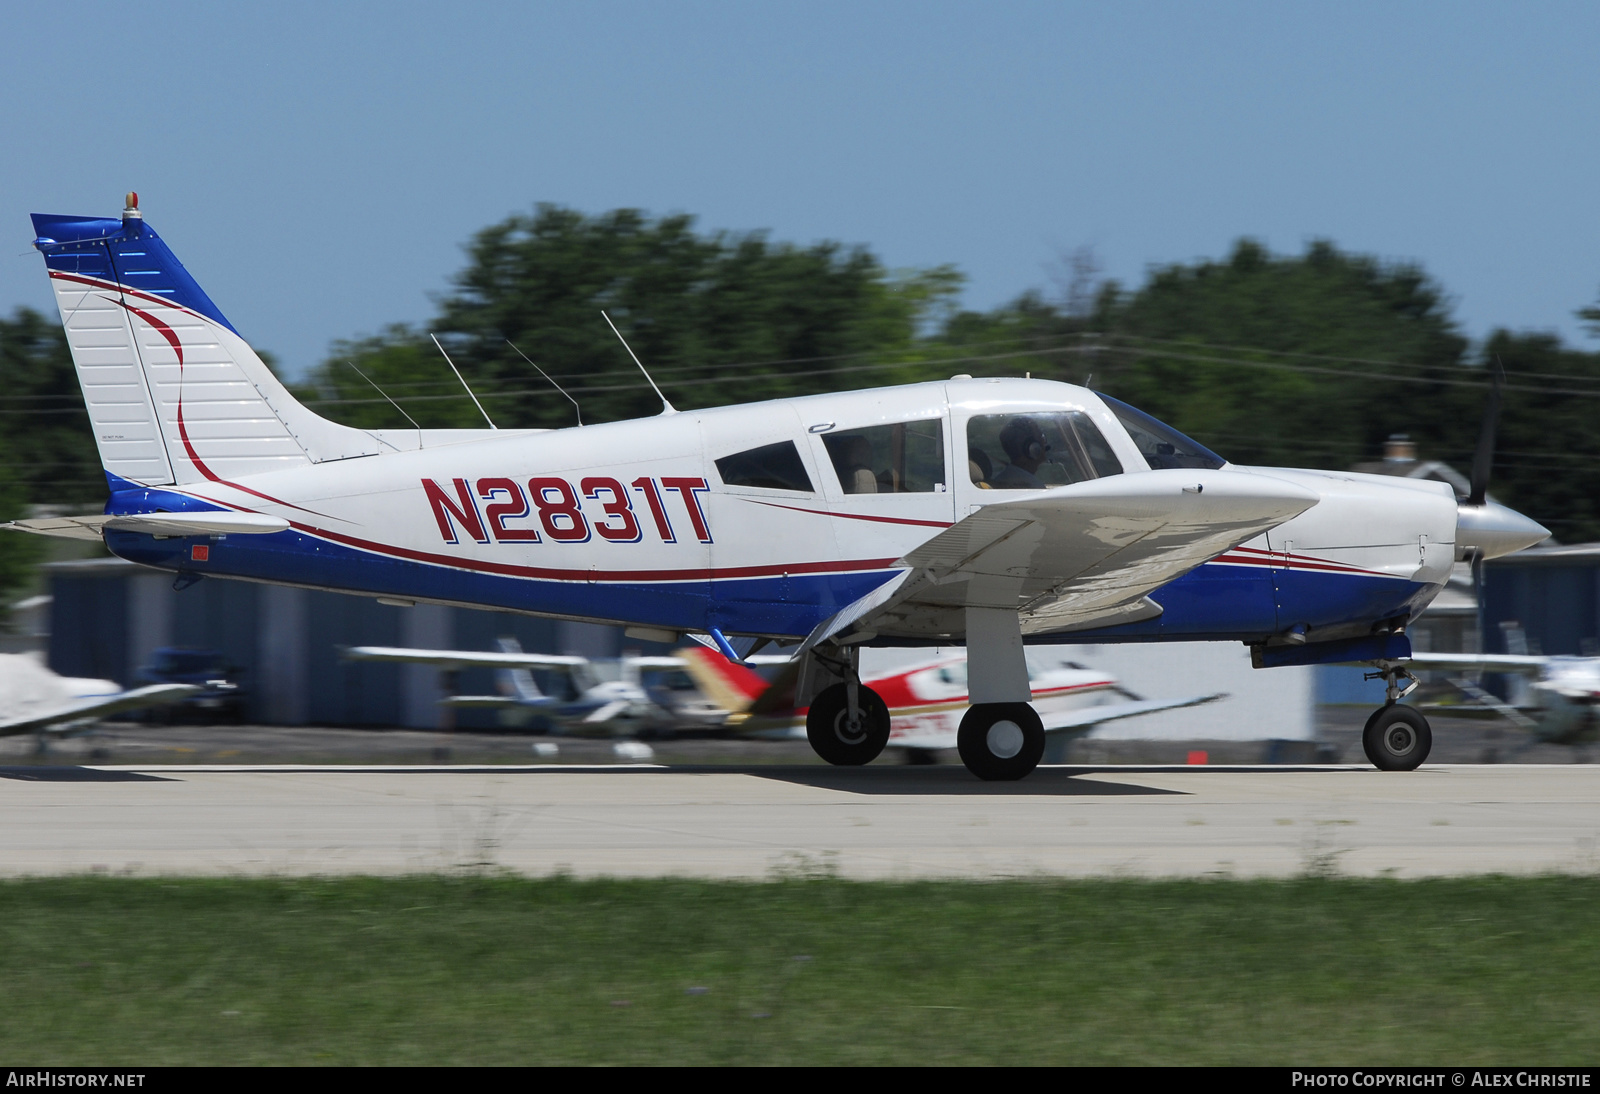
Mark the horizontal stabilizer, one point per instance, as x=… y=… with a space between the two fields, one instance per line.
x=85 y=527
x=218 y=523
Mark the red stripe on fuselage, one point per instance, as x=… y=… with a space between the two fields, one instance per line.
x=1279 y=560
x=858 y=516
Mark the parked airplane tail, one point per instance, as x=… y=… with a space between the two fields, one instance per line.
x=174 y=394
x=519 y=682
x=732 y=687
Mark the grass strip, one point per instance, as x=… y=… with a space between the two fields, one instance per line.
x=499 y=970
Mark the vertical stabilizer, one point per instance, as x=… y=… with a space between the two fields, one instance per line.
x=517 y=682
x=174 y=394
x=732 y=687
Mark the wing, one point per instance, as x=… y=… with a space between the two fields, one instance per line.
x=654 y=662
x=79 y=710
x=1075 y=556
x=1525 y=664
x=462 y=658
x=1088 y=717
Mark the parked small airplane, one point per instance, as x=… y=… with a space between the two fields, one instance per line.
x=1555 y=699
x=926 y=701
x=621 y=707
x=35 y=700
x=991 y=512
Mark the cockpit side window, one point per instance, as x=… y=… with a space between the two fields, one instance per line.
x=770 y=467
x=1160 y=444
x=1036 y=451
x=904 y=458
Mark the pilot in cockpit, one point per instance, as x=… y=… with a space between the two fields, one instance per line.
x=1026 y=448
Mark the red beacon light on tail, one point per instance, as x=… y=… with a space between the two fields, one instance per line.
x=131 y=211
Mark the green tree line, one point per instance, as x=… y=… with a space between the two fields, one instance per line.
x=1307 y=360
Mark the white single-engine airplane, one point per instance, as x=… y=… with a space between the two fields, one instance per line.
x=621 y=707
x=1556 y=699
x=992 y=512
x=35 y=700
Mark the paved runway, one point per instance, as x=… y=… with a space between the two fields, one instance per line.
x=762 y=821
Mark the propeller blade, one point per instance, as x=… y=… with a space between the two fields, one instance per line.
x=1483 y=457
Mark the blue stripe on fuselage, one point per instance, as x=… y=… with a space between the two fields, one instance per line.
x=1214 y=602
x=790 y=605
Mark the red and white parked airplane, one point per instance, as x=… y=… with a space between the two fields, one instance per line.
x=926 y=700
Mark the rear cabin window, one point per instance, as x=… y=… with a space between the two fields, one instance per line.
x=904 y=458
x=1036 y=451
x=770 y=467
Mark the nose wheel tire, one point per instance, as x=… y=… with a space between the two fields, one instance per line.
x=1000 y=742
x=838 y=738
x=1397 y=738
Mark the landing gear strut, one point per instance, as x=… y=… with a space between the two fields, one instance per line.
x=1396 y=738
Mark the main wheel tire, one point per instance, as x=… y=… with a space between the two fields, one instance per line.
x=1397 y=738
x=839 y=741
x=1000 y=742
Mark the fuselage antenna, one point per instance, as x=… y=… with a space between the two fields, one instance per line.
x=575 y=408
x=666 y=407
x=457 y=371
x=392 y=403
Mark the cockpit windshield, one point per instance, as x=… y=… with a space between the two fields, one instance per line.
x=1160 y=444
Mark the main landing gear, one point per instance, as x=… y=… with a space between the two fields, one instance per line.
x=1396 y=738
x=848 y=724
x=1000 y=742
x=1001 y=738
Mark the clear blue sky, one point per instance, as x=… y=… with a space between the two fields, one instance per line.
x=318 y=166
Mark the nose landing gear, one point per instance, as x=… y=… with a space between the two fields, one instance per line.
x=1396 y=738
